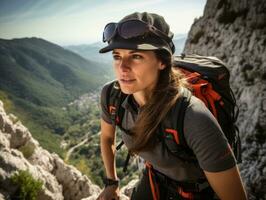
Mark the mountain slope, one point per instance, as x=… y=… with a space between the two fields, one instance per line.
x=91 y=52
x=46 y=74
x=39 y=79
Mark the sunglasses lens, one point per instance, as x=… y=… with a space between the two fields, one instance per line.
x=133 y=28
x=109 y=31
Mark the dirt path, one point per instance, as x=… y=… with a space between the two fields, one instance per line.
x=69 y=152
x=87 y=139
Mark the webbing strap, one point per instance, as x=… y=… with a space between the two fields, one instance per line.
x=126 y=162
x=120 y=145
x=153 y=185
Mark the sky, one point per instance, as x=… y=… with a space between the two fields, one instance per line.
x=70 y=22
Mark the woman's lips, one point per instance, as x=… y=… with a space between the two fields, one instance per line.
x=127 y=81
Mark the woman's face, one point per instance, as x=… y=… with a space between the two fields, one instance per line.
x=136 y=71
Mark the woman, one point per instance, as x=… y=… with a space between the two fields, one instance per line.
x=142 y=48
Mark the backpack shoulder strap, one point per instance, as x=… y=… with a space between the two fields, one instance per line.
x=115 y=97
x=178 y=115
x=172 y=129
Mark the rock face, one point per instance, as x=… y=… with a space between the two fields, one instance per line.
x=60 y=181
x=235 y=31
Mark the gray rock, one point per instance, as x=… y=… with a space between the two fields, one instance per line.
x=4 y=140
x=2 y=197
x=127 y=190
x=20 y=136
x=235 y=31
x=72 y=180
x=42 y=158
x=20 y=151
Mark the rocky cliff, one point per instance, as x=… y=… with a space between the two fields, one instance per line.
x=235 y=31
x=19 y=151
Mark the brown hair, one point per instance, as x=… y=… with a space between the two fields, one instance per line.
x=162 y=99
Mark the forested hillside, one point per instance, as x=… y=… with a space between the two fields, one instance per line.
x=38 y=80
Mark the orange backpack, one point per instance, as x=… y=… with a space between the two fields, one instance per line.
x=209 y=80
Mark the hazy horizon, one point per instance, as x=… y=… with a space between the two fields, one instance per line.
x=70 y=23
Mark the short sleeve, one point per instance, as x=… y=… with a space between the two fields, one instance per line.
x=105 y=115
x=206 y=138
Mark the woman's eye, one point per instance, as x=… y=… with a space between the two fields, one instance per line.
x=136 y=56
x=116 y=57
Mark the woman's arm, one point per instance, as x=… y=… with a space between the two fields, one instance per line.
x=108 y=149
x=205 y=137
x=227 y=184
x=108 y=156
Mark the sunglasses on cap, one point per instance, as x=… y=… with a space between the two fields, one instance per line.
x=131 y=29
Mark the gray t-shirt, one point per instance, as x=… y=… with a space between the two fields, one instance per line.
x=202 y=134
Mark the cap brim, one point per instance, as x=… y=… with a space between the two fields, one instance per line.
x=134 y=45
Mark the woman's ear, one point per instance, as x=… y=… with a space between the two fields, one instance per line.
x=161 y=66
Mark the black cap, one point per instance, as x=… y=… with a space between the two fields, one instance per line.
x=151 y=42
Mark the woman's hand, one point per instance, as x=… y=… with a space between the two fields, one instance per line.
x=109 y=193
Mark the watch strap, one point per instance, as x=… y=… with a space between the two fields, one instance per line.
x=109 y=182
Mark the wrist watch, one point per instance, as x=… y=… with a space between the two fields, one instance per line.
x=109 y=182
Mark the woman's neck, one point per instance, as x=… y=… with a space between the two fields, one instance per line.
x=141 y=98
